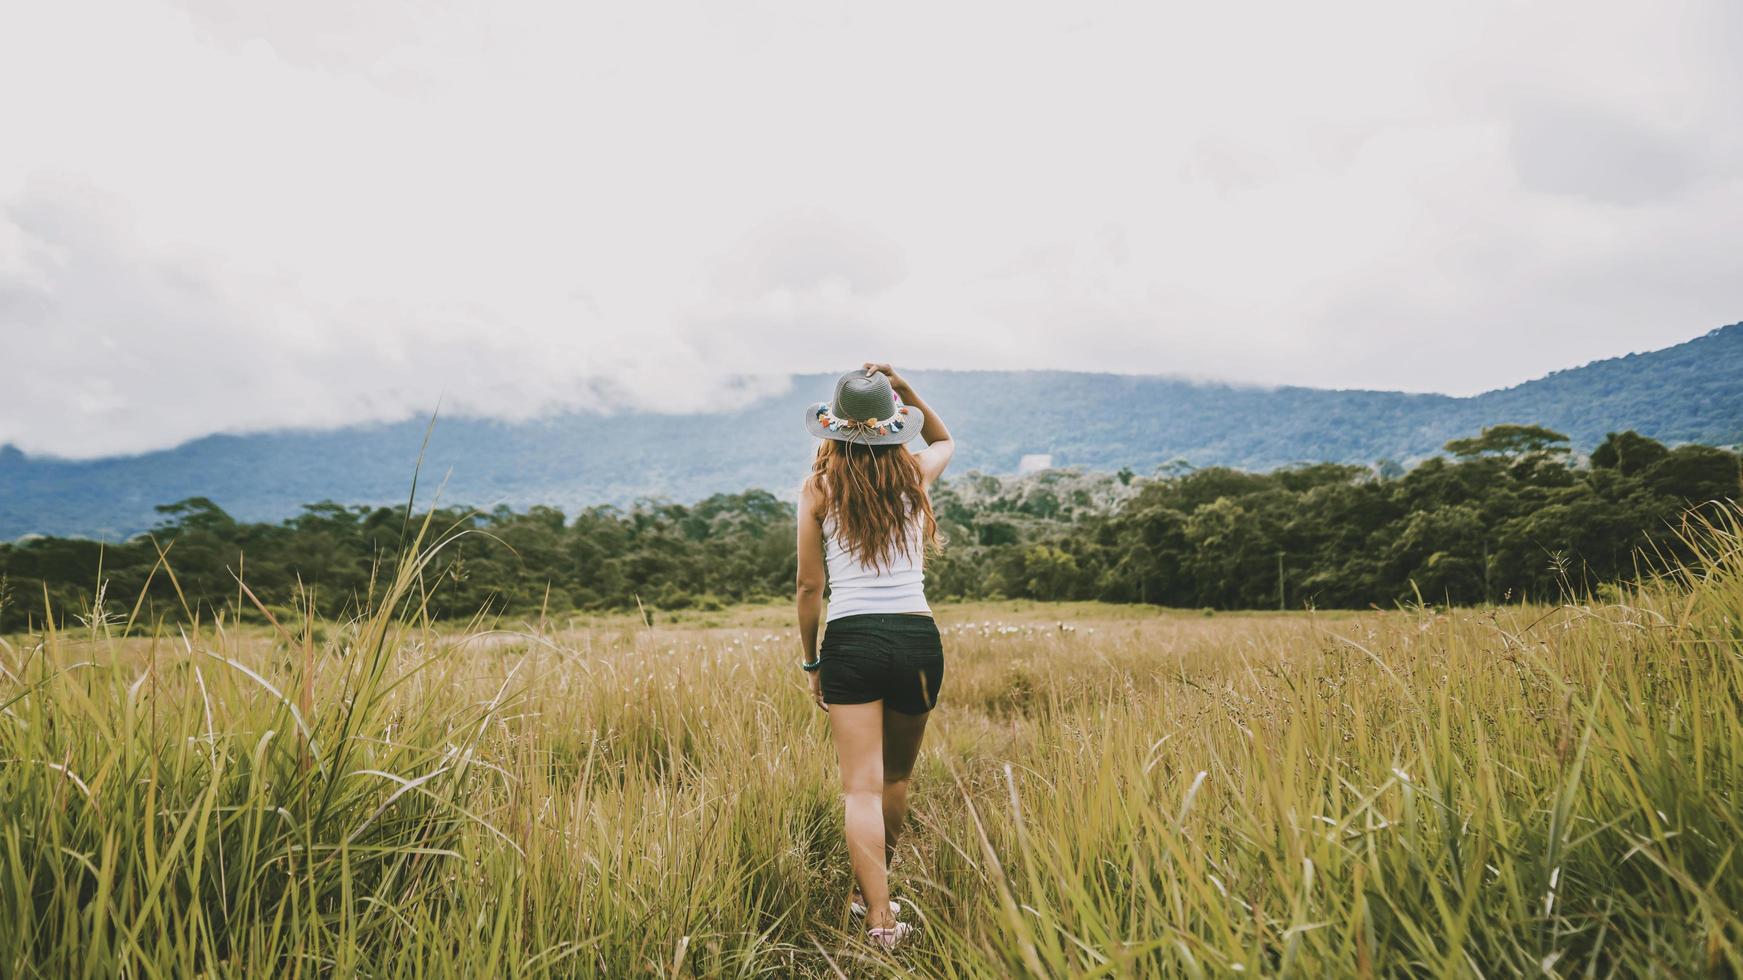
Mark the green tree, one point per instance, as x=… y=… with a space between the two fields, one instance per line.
x=1627 y=452
x=1511 y=441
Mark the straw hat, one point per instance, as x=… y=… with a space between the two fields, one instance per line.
x=865 y=410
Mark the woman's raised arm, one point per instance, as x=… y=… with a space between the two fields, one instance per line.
x=939 y=445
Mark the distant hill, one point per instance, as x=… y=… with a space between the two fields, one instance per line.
x=1692 y=392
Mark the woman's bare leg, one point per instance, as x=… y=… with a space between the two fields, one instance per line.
x=859 y=744
x=902 y=736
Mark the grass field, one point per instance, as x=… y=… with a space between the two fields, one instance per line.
x=1107 y=791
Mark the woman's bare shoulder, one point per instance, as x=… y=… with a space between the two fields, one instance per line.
x=813 y=493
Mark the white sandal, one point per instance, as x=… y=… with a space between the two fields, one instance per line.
x=891 y=937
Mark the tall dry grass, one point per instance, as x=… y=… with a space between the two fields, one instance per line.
x=1481 y=792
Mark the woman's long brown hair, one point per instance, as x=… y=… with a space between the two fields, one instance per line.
x=871 y=490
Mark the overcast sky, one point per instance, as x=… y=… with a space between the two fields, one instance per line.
x=225 y=216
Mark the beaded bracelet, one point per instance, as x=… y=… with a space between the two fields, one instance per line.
x=813 y=665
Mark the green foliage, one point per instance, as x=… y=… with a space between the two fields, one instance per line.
x=1628 y=451
x=1509 y=519
x=1511 y=441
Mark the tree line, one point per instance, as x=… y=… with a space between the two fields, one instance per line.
x=1507 y=515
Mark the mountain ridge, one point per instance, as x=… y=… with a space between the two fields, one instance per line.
x=1688 y=392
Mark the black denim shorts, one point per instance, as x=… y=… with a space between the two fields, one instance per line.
x=895 y=658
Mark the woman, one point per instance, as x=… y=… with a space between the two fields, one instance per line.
x=865 y=522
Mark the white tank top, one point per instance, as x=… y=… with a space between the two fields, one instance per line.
x=855 y=588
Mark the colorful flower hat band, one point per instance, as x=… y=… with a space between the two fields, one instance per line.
x=881 y=427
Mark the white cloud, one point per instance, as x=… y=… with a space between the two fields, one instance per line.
x=220 y=216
